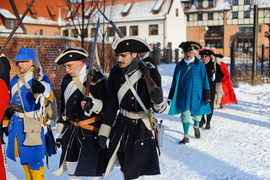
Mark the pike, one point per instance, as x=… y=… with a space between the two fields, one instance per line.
x=91 y=71
x=16 y=27
x=149 y=81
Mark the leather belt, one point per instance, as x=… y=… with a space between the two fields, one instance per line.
x=133 y=115
x=85 y=123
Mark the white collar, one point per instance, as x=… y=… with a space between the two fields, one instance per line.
x=145 y=56
x=189 y=61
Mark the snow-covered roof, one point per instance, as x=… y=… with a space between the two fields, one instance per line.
x=7 y=14
x=264 y=4
x=42 y=20
x=3 y=29
x=138 y=11
x=221 y=5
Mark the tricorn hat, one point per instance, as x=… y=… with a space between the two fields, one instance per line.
x=25 y=54
x=218 y=55
x=206 y=52
x=71 y=54
x=131 y=44
x=190 y=46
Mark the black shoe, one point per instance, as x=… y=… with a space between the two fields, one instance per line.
x=184 y=141
x=197 y=132
x=207 y=126
x=201 y=123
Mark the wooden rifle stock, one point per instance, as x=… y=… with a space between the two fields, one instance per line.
x=15 y=28
x=88 y=81
x=149 y=81
x=15 y=107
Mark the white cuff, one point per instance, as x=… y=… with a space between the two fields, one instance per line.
x=47 y=91
x=104 y=130
x=160 y=107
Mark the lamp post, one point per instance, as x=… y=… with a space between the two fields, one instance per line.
x=255 y=40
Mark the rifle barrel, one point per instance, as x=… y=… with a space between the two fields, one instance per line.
x=15 y=28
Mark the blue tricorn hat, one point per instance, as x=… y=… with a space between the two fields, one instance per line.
x=71 y=54
x=131 y=44
x=25 y=54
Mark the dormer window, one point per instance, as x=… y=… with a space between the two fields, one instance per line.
x=126 y=9
x=51 y=12
x=33 y=11
x=200 y=4
x=10 y=23
x=187 y=5
x=157 y=6
x=211 y=3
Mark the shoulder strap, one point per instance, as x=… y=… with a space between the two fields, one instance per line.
x=80 y=86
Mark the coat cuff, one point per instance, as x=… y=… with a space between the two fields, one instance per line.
x=59 y=128
x=98 y=105
x=104 y=130
x=160 y=107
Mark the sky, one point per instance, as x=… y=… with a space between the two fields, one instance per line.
x=237 y=147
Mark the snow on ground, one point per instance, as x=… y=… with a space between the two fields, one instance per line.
x=236 y=146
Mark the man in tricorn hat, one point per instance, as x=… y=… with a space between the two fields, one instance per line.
x=131 y=137
x=190 y=91
x=214 y=75
x=26 y=134
x=80 y=118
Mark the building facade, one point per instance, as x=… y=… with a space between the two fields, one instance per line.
x=215 y=23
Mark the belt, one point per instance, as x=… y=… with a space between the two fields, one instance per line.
x=33 y=114
x=85 y=123
x=133 y=115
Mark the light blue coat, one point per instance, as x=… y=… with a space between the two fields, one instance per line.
x=190 y=95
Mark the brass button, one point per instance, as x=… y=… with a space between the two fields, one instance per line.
x=133 y=121
x=75 y=96
x=77 y=119
x=121 y=84
x=122 y=78
x=32 y=131
x=132 y=105
x=75 y=102
x=132 y=98
x=142 y=143
x=152 y=137
x=83 y=137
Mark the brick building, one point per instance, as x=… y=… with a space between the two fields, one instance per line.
x=214 y=23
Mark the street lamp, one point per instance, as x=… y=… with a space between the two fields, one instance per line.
x=255 y=40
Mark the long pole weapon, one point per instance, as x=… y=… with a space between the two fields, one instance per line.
x=15 y=28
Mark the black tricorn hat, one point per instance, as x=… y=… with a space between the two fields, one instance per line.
x=190 y=46
x=131 y=44
x=71 y=54
x=218 y=55
x=206 y=52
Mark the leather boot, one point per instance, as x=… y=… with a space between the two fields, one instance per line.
x=184 y=140
x=197 y=132
x=201 y=123
x=207 y=127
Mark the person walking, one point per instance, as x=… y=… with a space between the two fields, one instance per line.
x=26 y=138
x=214 y=75
x=80 y=118
x=131 y=100
x=190 y=91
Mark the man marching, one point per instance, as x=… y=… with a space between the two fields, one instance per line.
x=26 y=133
x=131 y=139
x=77 y=130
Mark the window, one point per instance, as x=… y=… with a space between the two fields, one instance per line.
x=176 y=12
x=74 y=33
x=245 y=29
x=41 y=32
x=247 y=2
x=200 y=4
x=235 y=15
x=235 y=2
x=217 y=43
x=93 y=32
x=211 y=3
x=210 y=16
x=199 y=17
x=65 y=33
x=186 y=5
x=246 y=14
x=153 y=29
x=134 y=31
x=187 y=17
x=214 y=29
x=260 y=28
x=85 y=31
x=10 y=24
x=123 y=30
x=110 y=31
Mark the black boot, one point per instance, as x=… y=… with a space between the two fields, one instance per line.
x=197 y=132
x=201 y=123
x=185 y=140
x=207 y=127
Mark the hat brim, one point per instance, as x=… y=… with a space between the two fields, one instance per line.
x=71 y=55
x=131 y=44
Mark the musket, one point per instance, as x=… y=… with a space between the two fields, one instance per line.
x=37 y=69
x=16 y=27
x=91 y=71
x=149 y=81
x=15 y=107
